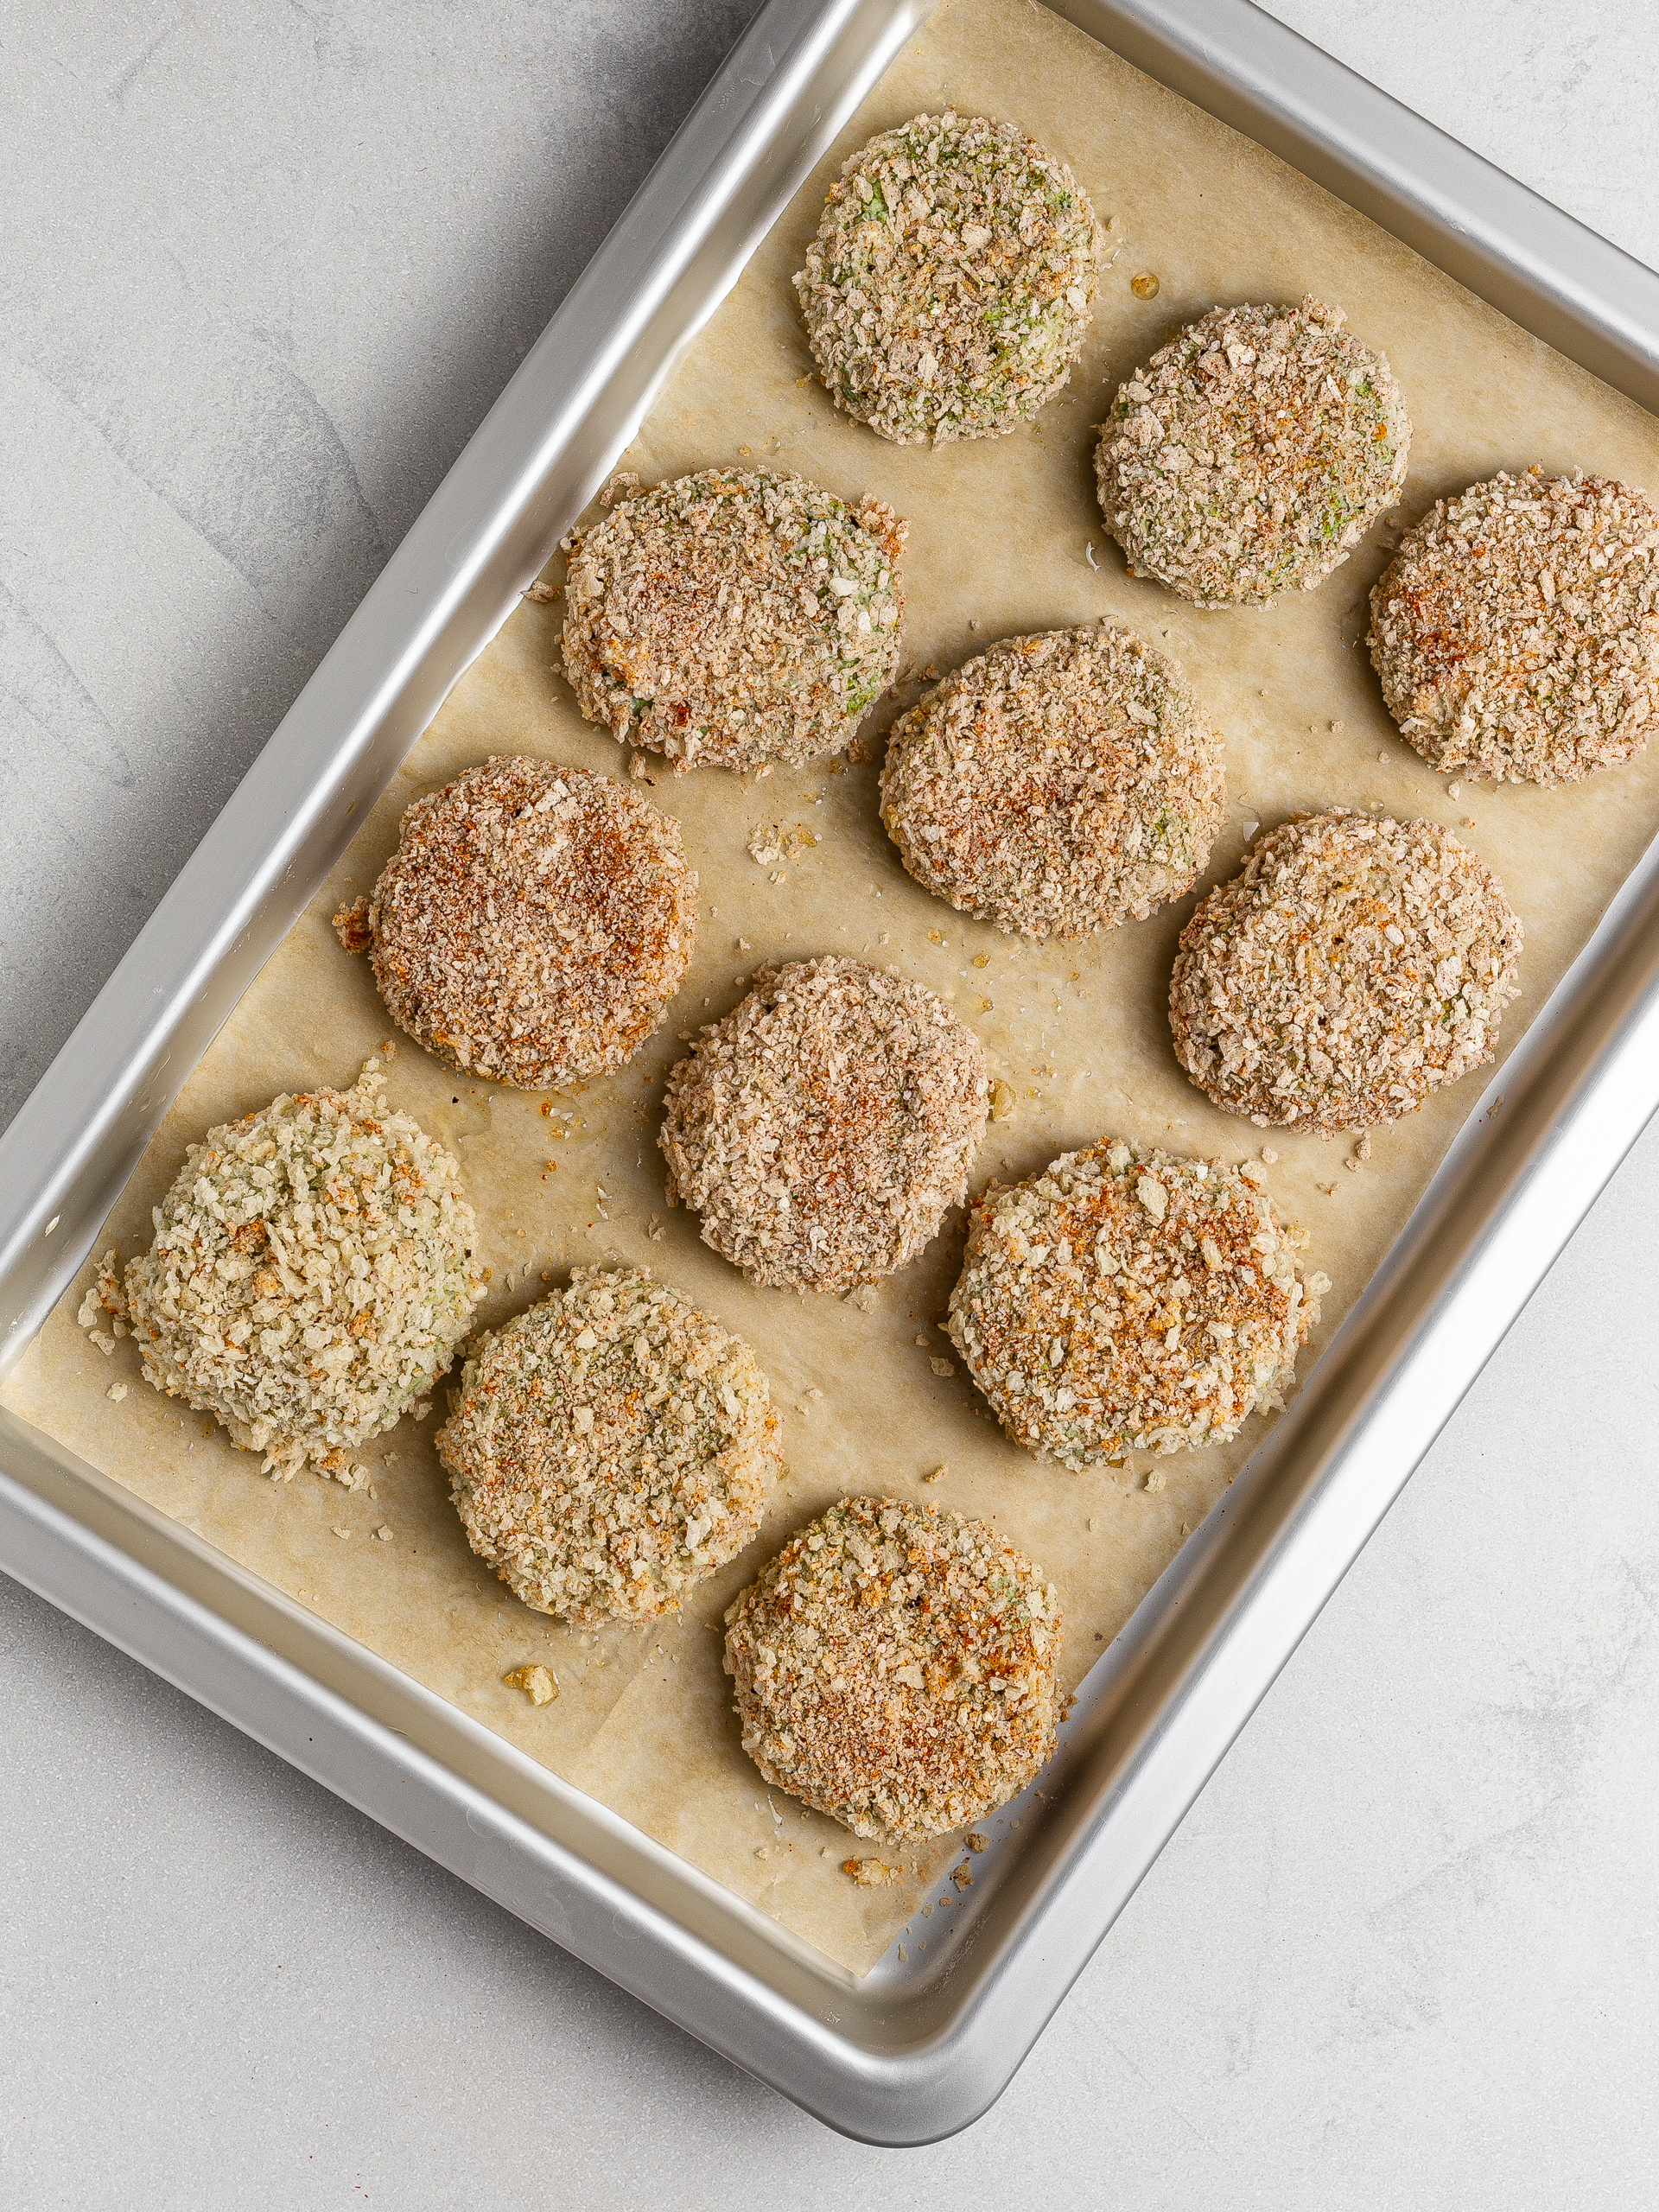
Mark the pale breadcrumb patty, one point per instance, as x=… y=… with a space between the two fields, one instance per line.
x=733 y=618
x=1056 y=784
x=1517 y=631
x=533 y=924
x=950 y=287
x=895 y=1668
x=1126 y=1300
x=824 y=1126
x=1251 y=454
x=610 y=1448
x=313 y=1267
x=1355 y=966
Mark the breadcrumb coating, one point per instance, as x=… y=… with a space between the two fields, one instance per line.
x=314 y=1266
x=1353 y=968
x=1516 y=632
x=951 y=282
x=610 y=1448
x=1056 y=784
x=733 y=618
x=824 y=1126
x=894 y=1667
x=533 y=924
x=1251 y=454
x=1126 y=1300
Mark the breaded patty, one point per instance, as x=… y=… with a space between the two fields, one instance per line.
x=610 y=1448
x=1056 y=784
x=1128 y=1300
x=734 y=618
x=1354 y=967
x=1251 y=454
x=895 y=1668
x=533 y=924
x=951 y=282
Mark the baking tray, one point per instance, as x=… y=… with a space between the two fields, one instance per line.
x=909 y=2052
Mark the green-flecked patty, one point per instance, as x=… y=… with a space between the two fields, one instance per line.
x=610 y=1448
x=951 y=282
x=1251 y=454
x=314 y=1266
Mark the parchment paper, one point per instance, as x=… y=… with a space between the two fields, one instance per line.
x=998 y=544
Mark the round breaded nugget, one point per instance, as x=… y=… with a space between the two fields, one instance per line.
x=734 y=618
x=895 y=1669
x=1127 y=1300
x=1056 y=785
x=1251 y=454
x=610 y=1448
x=533 y=924
x=1516 y=632
x=950 y=285
x=1354 y=967
x=824 y=1126
x=313 y=1267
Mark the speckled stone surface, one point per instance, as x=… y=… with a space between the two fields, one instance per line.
x=266 y=269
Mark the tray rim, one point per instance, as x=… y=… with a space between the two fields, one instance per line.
x=1216 y=1628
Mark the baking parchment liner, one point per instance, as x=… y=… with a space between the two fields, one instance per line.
x=1006 y=538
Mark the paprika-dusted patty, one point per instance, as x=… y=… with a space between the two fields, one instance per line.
x=1127 y=1300
x=1056 y=784
x=1517 y=631
x=823 y=1127
x=895 y=1668
x=533 y=924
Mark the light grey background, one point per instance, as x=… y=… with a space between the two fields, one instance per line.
x=266 y=267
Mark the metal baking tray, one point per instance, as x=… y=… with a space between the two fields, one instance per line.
x=913 y=2051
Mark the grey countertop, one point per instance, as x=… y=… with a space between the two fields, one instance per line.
x=266 y=265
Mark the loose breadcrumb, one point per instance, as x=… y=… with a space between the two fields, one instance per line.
x=1128 y=1300
x=313 y=1267
x=610 y=1448
x=951 y=285
x=733 y=618
x=823 y=1127
x=894 y=1667
x=533 y=924
x=1251 y=454
x=538 y=1683
x=1355 y=966
x=1056 y=784
x=1517 y=631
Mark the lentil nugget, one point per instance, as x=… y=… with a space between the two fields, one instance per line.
x=314 y=1266
x=951 y=285
x=1056 y=785
x=824 y=1126
x=1356 y=966
x=894 y=1669
x=1251 y=454
x=533 y=924
x=1128 y=1300
x=610 y=1448
x=734 y=618
x=1516 y=632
